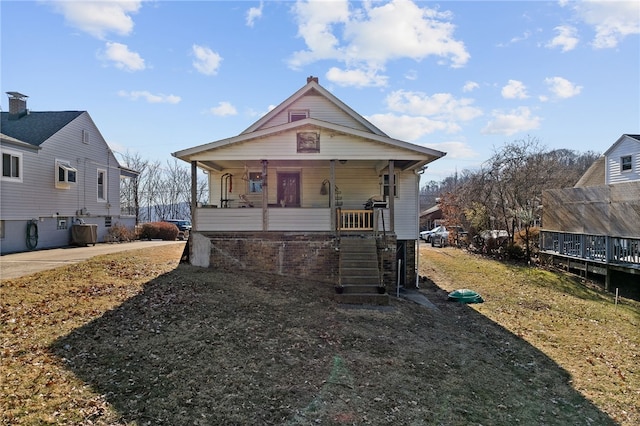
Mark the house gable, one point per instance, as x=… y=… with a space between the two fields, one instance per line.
x=319 y=104
x=622 y=162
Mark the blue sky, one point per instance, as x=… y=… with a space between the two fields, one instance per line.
x=461 y=77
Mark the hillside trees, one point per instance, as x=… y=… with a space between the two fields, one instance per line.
x=160 y=191
x=505 y=193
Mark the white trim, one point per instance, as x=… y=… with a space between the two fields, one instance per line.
x=17 y=155
x=104 y=185
x=70 y=174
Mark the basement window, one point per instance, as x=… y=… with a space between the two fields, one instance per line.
x=625 y=163
x=65 y=174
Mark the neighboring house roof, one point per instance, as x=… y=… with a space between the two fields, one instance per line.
x=595 y=174
x=36 y=127
x=430 y=210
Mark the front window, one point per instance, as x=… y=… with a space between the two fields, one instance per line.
x=102 y=179
x=255 y=182
x=626 y=163
x=11 y=166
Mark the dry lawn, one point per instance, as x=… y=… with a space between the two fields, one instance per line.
x=136 y=339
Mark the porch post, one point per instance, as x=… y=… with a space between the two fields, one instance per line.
x=332 y=195
x=194 y=194
x=265 y=197
x=392 y=196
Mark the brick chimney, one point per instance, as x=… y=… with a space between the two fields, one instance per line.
x=17 y=105
x=312 y=78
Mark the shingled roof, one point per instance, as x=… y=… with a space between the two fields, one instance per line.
x=36 y=127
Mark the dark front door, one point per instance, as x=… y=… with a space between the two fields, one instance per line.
x=289 y=189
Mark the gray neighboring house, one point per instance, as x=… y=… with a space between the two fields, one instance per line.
x=594 y=227
x=57 y=171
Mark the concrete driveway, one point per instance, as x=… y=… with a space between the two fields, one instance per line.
x=20 y=264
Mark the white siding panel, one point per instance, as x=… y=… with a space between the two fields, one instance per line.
x=299 y=219
x=628 y=146
x=210 y=219
x=406 y=208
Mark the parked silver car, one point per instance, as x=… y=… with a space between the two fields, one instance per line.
x=426 y=235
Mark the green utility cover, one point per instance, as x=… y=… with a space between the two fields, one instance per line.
x=465 y=296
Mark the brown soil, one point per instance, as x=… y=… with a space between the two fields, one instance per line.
x=195 y=346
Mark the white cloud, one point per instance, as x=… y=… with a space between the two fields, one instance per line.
x=207 y=61
x=356 y=77
x=442 y=106
x=518 y=120
x=470 y=86
x=254 y=13
x=98 y=18
x=409 y=128
x=566 y=39
x=514 y=90
x=562 y=88
x=150 y=97
x=455 y=149
x=223 y=109
x=122 y=57
x=369 y=36
x=611 y=20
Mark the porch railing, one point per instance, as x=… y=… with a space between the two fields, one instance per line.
x=356 y=220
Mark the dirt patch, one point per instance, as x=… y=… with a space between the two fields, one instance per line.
x=196 y=346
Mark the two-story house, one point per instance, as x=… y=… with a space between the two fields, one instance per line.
x=57 y=172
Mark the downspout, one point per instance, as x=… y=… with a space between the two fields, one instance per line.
x=194 y=196
x=418 y=174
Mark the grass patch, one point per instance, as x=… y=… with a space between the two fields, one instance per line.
x=577 y=325
x=136 y=339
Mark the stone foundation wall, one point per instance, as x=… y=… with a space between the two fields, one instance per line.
x=313 y=255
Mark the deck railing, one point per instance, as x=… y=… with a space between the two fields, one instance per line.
x=599 y=248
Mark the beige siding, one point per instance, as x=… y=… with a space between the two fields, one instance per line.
x=210 y=219
x=332 y=146
x=319 y=108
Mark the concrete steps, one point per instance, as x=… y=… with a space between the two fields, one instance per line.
x=359 y=273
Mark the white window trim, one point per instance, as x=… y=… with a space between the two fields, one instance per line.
x=85 y=136
x=630 y=169
x=20 y=165
x=385 y=185
x=105 y=187
x=65 y=165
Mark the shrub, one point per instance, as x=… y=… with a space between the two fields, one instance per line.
x=514 y=251
x=120 y=233
x=159 y=230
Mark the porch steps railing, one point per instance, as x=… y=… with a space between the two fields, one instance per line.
x=359 y=272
